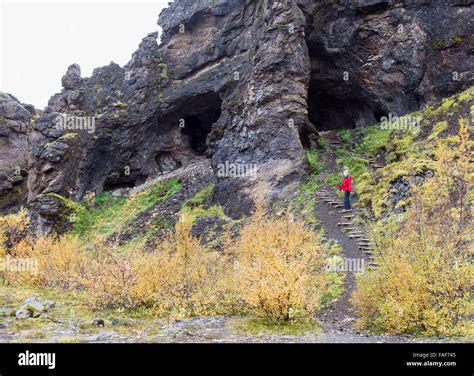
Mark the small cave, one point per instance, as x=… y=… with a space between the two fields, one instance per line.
x=197 y=128
x=329 y=110
x=117 y=181
x=379 y=115
x=199 y=114
x=194 y=118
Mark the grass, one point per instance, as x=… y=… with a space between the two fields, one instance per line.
x=345 y=135
x=195 y=207
x=262 y=326
x=334 y=179
x=374 y=140
x=306 y=197
x=315 y=163
x=305 y=200
x=408 y=152
x=110 y=214
x=356 y=164
x=437 y=129
x=70 y=307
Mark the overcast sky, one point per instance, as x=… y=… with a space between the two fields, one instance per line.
x=39 y=40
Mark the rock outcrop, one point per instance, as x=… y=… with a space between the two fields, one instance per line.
x=15 y=119
x=247 y=83
x=371 y=58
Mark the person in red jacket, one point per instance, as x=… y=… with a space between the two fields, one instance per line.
x=346 y=186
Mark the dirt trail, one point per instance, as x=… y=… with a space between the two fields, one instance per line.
x=339 y=316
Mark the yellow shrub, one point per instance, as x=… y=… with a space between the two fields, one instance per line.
x=120 y=280
x=179 y=278
x=424 y=279
x=280 y=267
x=192 y=280
x=13 y=229
x=61 y=263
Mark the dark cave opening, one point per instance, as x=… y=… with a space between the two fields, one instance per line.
x=330 y=109
x=184 y=131
x=123 y=181
x=197 y=127
x=337 y=99
x=379 y=115
x=194 y=118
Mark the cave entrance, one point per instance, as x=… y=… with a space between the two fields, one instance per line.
x=199 y=114
x=117 y=181
x=184 y=131
x=197 y=128
x=330 y=109
x=336 y=99
x=193 y=117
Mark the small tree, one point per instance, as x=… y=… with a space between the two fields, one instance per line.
x=280 y=271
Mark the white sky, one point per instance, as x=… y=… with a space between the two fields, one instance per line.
x=39 y=40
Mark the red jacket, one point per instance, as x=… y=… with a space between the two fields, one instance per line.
x=346 y=184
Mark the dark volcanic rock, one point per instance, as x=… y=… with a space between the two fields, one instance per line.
x=246 y=83
x=15 y=119
x=371 y=58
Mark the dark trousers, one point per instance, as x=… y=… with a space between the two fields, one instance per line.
x=347 y=200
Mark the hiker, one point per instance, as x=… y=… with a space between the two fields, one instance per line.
x=346 y=186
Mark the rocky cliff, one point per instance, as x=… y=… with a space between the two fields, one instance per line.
x=246 y=83
x=15 y=120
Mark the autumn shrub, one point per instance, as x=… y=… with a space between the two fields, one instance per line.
x=192 y=279
x=425 y=276
x=120 y=280
x=180 y=278
x=13 y=230
x=280 y=267
x=61 y=263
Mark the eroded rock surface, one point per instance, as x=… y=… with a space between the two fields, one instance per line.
x=246 y=83
x=15 y=119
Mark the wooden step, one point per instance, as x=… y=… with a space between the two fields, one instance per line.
x=344 y=224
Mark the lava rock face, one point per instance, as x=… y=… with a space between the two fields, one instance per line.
x=246 y=83
x=98 y=133
x=15 y=119
x=254 y=55
x=372 y=58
